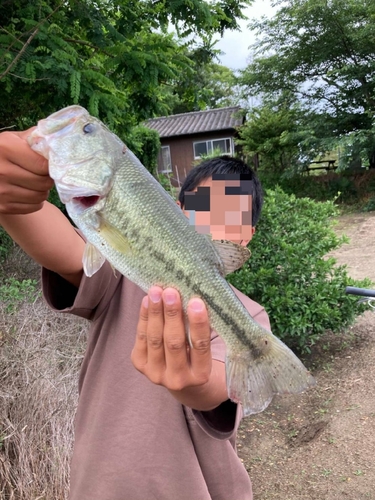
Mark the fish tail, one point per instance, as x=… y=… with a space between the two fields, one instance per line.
x=253 y=380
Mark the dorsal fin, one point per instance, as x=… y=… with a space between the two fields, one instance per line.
x=233 y=256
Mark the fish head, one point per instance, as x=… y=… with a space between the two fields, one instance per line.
x=82 y=155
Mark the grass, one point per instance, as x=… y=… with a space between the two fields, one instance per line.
x=40 y=353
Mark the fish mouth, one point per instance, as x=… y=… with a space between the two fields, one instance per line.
x=80 y=204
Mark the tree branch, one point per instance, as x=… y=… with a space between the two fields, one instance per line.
x=27 y=43
x=28 y=79
x=15 y=60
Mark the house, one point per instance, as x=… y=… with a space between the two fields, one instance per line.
x=187 y=136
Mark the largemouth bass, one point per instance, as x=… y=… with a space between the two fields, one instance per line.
x=131 y=221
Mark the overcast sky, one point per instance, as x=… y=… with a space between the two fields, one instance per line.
x=235 y=43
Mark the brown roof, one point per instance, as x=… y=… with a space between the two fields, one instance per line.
x=196 y=122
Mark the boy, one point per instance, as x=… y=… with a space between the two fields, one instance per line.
x=165 y=430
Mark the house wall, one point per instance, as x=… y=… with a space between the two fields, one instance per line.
x=182 y=151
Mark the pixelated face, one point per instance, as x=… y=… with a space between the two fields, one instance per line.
x=222 y=207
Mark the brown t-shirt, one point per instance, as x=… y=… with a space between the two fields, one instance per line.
x=133 y=440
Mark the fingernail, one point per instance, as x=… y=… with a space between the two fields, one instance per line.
x=169 y=298
x=155 y=295
x=145 y=302
x=196 y=305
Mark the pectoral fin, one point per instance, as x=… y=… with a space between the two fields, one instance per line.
x=233 y=256
x=114 y=238
x=92 y=260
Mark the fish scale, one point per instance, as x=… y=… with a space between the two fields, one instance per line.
x=130 y=220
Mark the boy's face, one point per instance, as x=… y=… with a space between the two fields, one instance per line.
x=222 y=208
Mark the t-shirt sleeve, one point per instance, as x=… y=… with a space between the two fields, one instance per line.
x=87 y=301
x=223 y=421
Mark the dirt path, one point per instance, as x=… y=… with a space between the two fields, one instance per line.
x=359 y=254
x=321 y=445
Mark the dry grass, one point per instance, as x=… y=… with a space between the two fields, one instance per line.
x=40 y=353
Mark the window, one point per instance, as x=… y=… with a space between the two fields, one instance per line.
x=209 y=147
x=164 y=160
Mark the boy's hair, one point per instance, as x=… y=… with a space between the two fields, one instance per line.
x=224 y=165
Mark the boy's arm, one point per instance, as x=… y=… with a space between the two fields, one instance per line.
x=36 y=225
x=50 y=239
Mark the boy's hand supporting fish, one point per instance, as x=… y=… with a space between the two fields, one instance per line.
x=163 y=356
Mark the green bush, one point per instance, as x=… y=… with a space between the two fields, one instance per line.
x=302 y=290
x=166 y=182
x=370 y=205
x=145 y=144
x=5 y=244
x=13 y=292
x=55 y=200
x=347 y=187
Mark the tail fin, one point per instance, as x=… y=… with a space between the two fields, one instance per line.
x=254 y=382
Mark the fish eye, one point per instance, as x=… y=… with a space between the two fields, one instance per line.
x=88 y=128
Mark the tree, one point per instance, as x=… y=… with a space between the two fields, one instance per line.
x=279 y=131
x=323 y=52
x=111 y=56
x=205 y=85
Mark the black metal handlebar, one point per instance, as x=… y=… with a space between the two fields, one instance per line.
x=363 y=292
